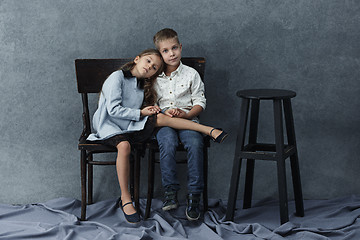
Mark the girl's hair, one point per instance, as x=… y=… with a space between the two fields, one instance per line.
x=147 y=84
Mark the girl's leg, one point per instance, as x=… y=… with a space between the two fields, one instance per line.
x=123 y=171
x=181 y=123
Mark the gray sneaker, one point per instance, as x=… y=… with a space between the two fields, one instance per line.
x=170 y=201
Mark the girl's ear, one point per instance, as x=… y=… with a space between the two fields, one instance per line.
x=136 y=59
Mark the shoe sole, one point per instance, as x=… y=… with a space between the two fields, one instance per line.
x=191 y=219
x=170 y=207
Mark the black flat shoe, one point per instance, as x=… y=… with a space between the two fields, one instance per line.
x=221 y=137
x=132 y=218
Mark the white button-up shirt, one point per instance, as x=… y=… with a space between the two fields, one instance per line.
x=182 y=89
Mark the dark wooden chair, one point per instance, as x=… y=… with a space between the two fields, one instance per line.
x=153 y=148
x=90 y=75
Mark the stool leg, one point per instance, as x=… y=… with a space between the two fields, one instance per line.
x=151 y=159
x=234 y=184
x=281 y=170
x=295 y=170
x=250 y=164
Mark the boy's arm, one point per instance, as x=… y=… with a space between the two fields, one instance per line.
x=194 y=112
x=198 y=99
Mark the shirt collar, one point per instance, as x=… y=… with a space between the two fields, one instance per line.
x=127 y=74
x=178 y=70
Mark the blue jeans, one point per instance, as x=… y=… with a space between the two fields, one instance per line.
x=168 y=140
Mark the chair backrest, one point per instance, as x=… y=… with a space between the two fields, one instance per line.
x=91 y=74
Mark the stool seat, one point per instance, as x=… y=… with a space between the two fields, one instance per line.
x=277 y=152
x=266 y=94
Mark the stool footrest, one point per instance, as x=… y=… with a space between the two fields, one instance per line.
x=265 y=151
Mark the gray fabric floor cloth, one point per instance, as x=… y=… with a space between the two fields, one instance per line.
x=58 y=219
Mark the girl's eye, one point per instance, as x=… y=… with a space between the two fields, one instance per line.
x=154 y=67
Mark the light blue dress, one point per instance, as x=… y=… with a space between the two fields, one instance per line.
x=119 y=107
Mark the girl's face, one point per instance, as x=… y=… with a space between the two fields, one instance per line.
x=146 y=66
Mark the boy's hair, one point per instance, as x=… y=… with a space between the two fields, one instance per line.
x=165 y=34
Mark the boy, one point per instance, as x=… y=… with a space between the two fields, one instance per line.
x=180 y=93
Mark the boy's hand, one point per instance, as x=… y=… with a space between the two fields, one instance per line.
x=176 y=112
x=150 y=110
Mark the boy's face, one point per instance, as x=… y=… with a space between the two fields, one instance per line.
x=170 y=50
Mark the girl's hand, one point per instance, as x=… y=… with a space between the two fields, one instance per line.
x=150 y=110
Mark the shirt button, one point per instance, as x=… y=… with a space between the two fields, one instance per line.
x=171 y=103
x=170 y=79
x=170 y=92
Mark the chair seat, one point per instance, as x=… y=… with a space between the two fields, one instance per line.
x=96 y=147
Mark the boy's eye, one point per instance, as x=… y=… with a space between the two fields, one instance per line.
x=174 y=47
x=165 y=51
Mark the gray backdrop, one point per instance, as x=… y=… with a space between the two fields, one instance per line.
x=311 y=47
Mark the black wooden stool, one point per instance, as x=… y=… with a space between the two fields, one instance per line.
x=276 y=152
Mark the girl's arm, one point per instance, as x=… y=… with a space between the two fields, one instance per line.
x=112 y=92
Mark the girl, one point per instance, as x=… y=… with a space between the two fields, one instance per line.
x=120 y=121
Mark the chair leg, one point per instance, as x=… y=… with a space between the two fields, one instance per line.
x=83 y=184
x=132 y=175
x=281 y=170
x=295 y=170
x=151 y=159
x=205 y=172
x=137 y=179
x=234 y=183
x=90 y=181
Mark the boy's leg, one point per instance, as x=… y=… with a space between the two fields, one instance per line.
x=193 y=142
x=168 y=141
